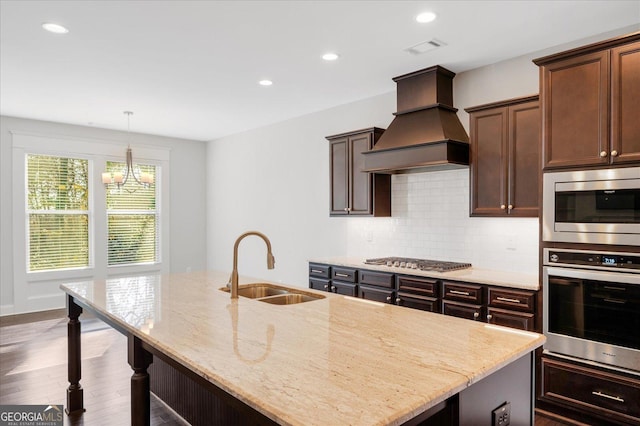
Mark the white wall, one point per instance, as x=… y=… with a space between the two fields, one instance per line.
x=276 y=180
x=187 y=196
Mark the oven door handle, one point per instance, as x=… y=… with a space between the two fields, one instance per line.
x=565 y=281
x=618 y=301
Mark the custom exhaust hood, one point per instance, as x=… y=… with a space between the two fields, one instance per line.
x=426 y=134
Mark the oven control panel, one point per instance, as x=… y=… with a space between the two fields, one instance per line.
x=627 y=261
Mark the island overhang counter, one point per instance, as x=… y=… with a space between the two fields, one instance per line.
x=336 y=360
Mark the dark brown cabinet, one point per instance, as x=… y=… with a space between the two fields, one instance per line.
x=463 y=300
x=511 y=308
x=354 y=192
x=333 y=278
x=589 y=99
x=605 y=395
x=505 y=158
x=378 y=286
x=496 y=305
x=418 y=293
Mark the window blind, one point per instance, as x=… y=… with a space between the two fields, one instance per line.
x=58 y=212
x=132 y=219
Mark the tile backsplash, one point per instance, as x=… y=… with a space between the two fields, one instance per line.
x=430 y=219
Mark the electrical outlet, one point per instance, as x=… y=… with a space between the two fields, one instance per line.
x=501 y=416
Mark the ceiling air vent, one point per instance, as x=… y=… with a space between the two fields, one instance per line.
x=425 y=46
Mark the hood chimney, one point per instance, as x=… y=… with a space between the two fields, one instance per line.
x=426 y=133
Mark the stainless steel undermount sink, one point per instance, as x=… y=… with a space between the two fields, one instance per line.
x=274 y=294
x=291 y=299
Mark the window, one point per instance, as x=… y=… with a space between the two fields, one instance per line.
x=132 y=219
x=58 y=211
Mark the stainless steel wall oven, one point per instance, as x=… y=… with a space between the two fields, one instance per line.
x=592 y=206
x=592 y=306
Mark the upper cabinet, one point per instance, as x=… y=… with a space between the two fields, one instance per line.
x=354 y=192
x=590 y=99
x=505 y=158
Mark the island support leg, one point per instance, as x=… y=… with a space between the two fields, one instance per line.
x=75 y=393
x=139 y=360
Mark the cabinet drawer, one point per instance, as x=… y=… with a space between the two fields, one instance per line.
x=605 y=394
x=319 y=271
x=468 y=293
x=463 y=310
x=513 y=319
x=380 y=279
x=512 y=299
x=419 y=286
x=347 y=289
x=319 y=284
x=344 y=274
x=424 y=303
x=375 y=293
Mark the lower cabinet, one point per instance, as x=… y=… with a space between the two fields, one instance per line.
x=463 y=300
x=495 y=305
x=378 y=286
x=462 y=310
x=347 y=289
x=418 y=293
x=521 y=320
x=375 y=293
x=610 y=397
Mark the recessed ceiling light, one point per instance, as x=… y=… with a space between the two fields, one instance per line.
x=265 y=82
x=426 y=17
x=330 y=56
x=54 y=28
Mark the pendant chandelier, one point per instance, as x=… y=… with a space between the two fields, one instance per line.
x=120 y=178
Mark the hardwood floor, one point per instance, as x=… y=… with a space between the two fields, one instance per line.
x=33 y=370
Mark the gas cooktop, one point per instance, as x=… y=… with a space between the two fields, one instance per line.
x=420 y=264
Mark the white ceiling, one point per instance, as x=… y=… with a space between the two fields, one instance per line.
x=190 y=68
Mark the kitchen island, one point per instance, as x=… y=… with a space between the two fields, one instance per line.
x=334 y=360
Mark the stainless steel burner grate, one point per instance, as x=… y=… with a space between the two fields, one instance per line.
x=420 y=264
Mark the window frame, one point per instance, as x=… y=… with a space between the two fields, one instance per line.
x=39 y=290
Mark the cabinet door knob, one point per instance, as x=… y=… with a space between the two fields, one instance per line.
x=502 y=206
x=326 y=286
x=510 y=206
x=489 y=317
x=346 y=209
x=614 y=153
x=333 y=288
x=603 y=154
x=388 y=298
x=476 y=315
x=398 y=300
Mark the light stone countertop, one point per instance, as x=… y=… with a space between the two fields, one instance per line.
x=471 y=275
x=338 y=360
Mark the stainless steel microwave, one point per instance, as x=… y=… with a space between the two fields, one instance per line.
x=592 y=206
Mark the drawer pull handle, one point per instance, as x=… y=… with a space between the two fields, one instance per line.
x=316 y=271
x=507 y=299
x=604 y=395
x=462 y=293
x=338 y=274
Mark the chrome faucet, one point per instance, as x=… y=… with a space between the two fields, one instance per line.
x=233 y=280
